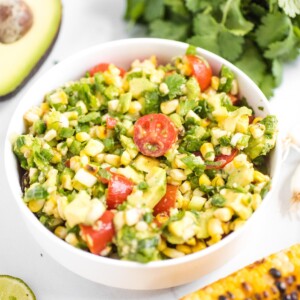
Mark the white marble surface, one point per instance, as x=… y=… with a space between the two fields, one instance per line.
x=87 y=23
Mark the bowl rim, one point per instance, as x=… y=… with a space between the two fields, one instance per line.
x=115 y=262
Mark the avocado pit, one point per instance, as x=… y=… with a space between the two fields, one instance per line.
x=16 y=19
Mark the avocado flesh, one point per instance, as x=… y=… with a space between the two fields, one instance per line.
x=21 y=59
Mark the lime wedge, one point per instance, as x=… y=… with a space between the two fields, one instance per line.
x=12 y=288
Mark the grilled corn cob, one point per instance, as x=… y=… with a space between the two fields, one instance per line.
x=274 y=277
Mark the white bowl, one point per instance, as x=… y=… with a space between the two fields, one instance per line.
x=116 y=273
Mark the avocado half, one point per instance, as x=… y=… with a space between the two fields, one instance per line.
x=21 y=59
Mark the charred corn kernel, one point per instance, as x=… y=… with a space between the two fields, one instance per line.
x=125 y=158
x=66 y=182
x=177 y=174
x=163 y=88
x=234 y=87
x=242 y=124
x=61 y=232
x=256 y=120
x=205 y=122
x=256 y=201
x=101 y=132
x=162 y=245
x=50 y=135
x=273 y=277
x=257 y=130
x=82 y=136
x=36 y=205
x=71 y=239
x=184 y=248
x=45 y=107
x=207 y=151
x=75 y=163
x=162 y=218
x=56 y=158
x=169 y=107
x=119 y=220
x=93 y=147
x=215 y=82
x=113 y=105
x=191 y=242
x=172 y=253
x=199 y=246
x=82 y=105
x=224 y=214
x=236 y=224
x=260 y=177
x=218 y=181
x=113 y=159
x=185 y=187
x=135 y=107
x=132 y=216
x=214 y=227
x=178 y=161
x=204 y=180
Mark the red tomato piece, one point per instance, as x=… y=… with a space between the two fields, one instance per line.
x=223 y=159
x=111 y=122
x=201 y=70
x=119 y=188
x=102 y=67
x=98 y=236
x=154 y=134
x=167 y=202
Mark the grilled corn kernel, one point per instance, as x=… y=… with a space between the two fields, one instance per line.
x=177 y=174
x=236 y=224
x=172 y=253
x=256 y=201
x=93 y=147
x=36 y=205
x=61 y=232
x=71 y=239
x=204 y=180
x=257 y=130
x=260 y=177
x=256 y=120
x=101 y=132
x=185 y=187
x=162 y=245
x=205 y=122
x=125 y=158
x=135 y=107
x=199 y=246
x=215 y=82
x=184 y=248
x=50 y=135
x=224 y=214
x=82 y=136
x=214 y=227
x=207 y=151
x=161 y=218
x=218 y=181
x=168 y=107
x=113 y=159
x=191 y=242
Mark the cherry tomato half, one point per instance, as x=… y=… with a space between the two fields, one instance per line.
x=119 y=188
x=167 y=202
x=97 y=237
x=154 y=134
x=201 y=70
x=223 y=159
x=102 y=67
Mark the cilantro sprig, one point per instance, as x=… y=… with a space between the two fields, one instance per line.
x=257 y=36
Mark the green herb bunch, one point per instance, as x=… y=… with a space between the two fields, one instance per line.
x=257 y=36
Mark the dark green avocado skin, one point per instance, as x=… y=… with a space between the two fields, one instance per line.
x=34 y=70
